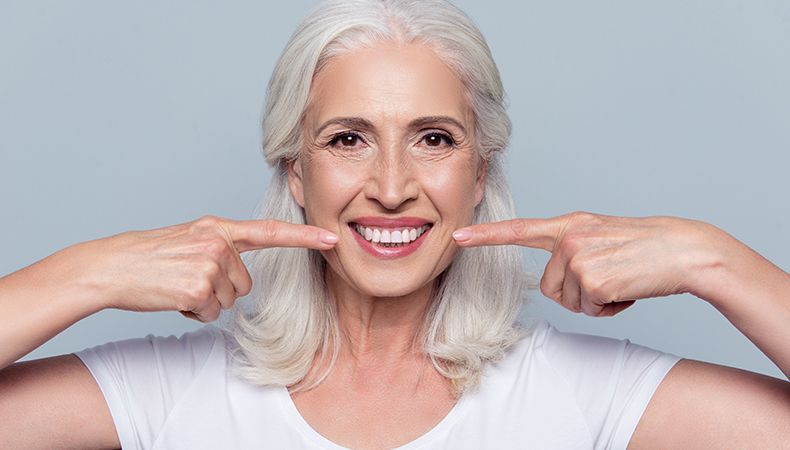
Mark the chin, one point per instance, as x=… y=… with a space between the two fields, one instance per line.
x=379 y=282
x=389 y=291
x=389 y=285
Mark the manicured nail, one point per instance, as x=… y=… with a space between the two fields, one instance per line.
x=328 y=238
x=464 y=234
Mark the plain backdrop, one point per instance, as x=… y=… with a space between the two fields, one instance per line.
x=118 y=116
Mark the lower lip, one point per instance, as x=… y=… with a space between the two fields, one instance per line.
x=389 y=252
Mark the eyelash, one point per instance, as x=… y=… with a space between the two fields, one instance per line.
x=335 y=139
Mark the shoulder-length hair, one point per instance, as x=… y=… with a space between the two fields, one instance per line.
x=289 y=319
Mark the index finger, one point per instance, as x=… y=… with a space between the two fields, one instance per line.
x=536 y=233
x=256 y=234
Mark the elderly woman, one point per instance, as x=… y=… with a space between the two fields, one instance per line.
x=394 y=321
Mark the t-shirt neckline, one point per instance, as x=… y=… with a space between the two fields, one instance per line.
x=293 y=415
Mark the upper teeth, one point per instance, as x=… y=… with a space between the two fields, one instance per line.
x=390 y=236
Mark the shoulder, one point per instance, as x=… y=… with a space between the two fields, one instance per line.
x=576 y=353
x=186 y=353
x=604 y=382
x=144 y=379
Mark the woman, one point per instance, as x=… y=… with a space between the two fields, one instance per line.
x=385 y=123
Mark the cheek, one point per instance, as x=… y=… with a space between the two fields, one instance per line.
x=452 y=191
x=328 y=189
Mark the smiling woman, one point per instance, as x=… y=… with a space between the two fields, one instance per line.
x=384 y=282
x=390 y=141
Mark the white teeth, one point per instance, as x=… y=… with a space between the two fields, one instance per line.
x=390 y=237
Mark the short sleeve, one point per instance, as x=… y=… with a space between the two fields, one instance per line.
x=612 y=380
x=142 y=379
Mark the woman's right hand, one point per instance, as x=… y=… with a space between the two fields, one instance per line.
x=193 y=267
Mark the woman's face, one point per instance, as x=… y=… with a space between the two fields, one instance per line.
x=389 y=155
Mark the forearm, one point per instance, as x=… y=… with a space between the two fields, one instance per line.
x=754 y=295
x=41 y=300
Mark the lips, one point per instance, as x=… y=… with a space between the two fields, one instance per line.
x=388 y=238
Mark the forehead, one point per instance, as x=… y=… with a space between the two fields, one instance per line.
x=390 y=81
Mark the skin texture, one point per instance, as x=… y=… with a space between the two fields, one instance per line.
x=383 y=389
x=601 y=265
x=389 y=168
x=192 y=267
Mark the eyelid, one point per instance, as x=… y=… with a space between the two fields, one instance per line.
x=445 y=133
x=332 y=137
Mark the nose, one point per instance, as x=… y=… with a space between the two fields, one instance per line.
x=392 y=182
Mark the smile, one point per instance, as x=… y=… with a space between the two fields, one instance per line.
x=389 y=239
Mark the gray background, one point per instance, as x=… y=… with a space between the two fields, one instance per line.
x=135 y=115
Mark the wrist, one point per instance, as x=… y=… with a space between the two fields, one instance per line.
x=81 y=287
x=731 y=271
x=711 y=269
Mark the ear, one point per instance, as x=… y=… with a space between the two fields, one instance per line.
x=295 y=180
x=480 y=184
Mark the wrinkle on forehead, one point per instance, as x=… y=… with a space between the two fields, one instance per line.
x=390 y=83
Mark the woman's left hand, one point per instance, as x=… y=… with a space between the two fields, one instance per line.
x=601 y=265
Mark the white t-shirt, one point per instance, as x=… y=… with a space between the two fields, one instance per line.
x=553 y=390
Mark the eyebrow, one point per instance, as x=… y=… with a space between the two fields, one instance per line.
x=361 y=123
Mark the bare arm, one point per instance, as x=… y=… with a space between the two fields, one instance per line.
x=702 y=405
x=712 y=406
x=53 y=403
x=752 y=293
x=601 y=265
x=41 y=300
x=194 y=268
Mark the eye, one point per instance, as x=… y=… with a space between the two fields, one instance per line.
x=345 y=140
x=436 y=139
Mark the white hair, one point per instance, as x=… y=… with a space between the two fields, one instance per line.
x=289 y=318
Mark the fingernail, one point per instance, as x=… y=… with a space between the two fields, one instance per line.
x=464 y=234
x=328 y=238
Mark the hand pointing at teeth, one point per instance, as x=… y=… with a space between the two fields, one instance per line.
x=601 y=264
x=193 y=267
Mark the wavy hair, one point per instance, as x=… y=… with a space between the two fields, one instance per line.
x=289 y=319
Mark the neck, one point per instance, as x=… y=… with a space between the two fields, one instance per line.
x=378 y=329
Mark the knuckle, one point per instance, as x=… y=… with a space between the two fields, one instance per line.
x=216 y=248
x=596 y=288
x=199 y=226
x=590 y=309
x=548 y=290
x=209 y=269
x=208 y=220
x=588 y=220
x=577 y=266
x=544 y=286
x=566 y=303
x=582 y=216
x=245 y=286
x=213 y=314
x=570 y=245
x=586 y=283
x=200 y=291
